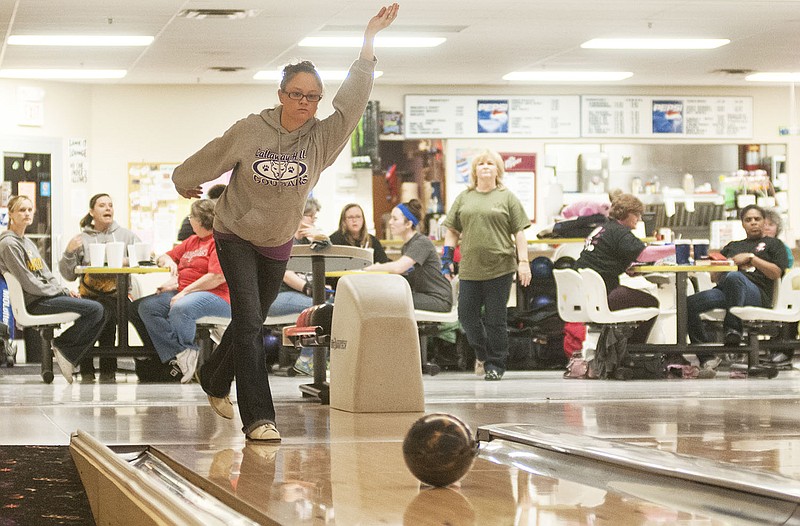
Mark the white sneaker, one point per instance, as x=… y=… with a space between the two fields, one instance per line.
x=67 y=369
x=187 y=361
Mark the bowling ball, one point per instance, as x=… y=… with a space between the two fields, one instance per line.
x=542 y=268
x=564 y=262
x=322 y=316
x=541 y=302
x=439 y=449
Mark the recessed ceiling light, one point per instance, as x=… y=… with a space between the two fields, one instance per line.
x=655 y=43
x=79 y=40
x=330 y=74
x=382 y=42
x=774 y=76
x=63 y=74
x=568 y=76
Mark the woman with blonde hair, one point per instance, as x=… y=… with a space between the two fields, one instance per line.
x=42 y=291
x=353 y=231
x=488 y=220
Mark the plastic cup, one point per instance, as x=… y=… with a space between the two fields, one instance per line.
x=682 y=249
x=97 y=254
x=700 y=249
x=115 y=253
x=143 y=251
x=133 y=261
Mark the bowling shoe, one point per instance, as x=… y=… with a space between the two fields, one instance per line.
x=222 y=406
x=265 y=433
x=67 y=369
x=493 y=375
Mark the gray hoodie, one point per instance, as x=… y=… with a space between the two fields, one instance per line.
x=20 y=257
x=70 y=260
x=274 y=170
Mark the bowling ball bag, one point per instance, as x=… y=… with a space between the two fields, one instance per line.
x=578 y=227
x=151 y=370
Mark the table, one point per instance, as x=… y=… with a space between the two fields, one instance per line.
x=681 y=272
x=335 y=258
x=123 y=284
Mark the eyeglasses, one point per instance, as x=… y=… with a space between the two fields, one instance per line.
x=296 y=95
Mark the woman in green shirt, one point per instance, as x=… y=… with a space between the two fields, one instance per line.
x=488 y=220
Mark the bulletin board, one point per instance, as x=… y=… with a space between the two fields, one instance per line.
x=155 y=209
x=520 y=176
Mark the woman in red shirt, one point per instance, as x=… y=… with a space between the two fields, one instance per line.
x=197 y=288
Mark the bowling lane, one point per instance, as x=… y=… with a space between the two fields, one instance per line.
x=336 y=467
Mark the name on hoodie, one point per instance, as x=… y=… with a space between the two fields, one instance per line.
x=276 y=169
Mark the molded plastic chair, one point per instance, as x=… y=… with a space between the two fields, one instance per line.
x=45 y=324
x=597 y=303
x=427 y=325
x=786 y=310
x=571 y=298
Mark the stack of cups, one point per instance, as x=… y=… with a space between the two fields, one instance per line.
x=97 y=254
x=700 y=247
x=115 y=253
x=682 y=249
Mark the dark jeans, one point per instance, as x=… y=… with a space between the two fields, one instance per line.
x=733 y=289
x=76 y=341
x=482 y=312
x=108 y=336
x=254 y=282
x=627 y=298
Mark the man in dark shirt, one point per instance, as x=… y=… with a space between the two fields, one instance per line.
x=761 y=261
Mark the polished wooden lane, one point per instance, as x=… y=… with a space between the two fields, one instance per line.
x=341 y=468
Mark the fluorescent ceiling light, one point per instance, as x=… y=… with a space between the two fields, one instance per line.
x=655 y=43
x=774 y=76
x=79 y=40
x=62 y=74
x=568 y=76
x=330 y=74
x=379 y=41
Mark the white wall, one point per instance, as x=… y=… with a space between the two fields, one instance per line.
x=167 y=123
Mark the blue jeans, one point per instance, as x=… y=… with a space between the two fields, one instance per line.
x=172 y=328
x=734 y=289
x=76 y=341
x=254 y=282
x=486 y=332
x=289 y=302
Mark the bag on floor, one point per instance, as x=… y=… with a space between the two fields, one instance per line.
x=647 y=366
x=8 y=351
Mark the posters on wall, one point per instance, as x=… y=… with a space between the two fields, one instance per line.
x=154 y=211
x=440 y=116
x=667 y=117
x=430 y=117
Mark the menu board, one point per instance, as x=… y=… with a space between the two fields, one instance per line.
x=667 y=117
x=443 y=116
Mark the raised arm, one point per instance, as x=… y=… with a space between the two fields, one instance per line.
x=382 y=20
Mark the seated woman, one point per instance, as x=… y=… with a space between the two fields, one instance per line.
x=43 y=293
x=761 y=260
x=611 y=249
x=98 y=226
x=353 y=231
x=170 y=315
x=419 y=263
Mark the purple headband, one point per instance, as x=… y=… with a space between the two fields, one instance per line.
x=406 y=212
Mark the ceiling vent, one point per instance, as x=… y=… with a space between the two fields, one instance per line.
x=227 y=14
x=733 y=71
x=226 y=69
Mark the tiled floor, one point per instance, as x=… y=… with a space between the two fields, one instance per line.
x=338 y=467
